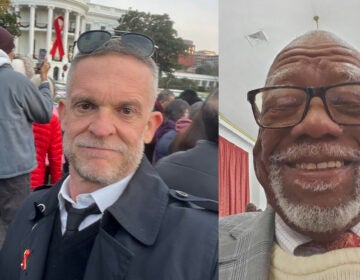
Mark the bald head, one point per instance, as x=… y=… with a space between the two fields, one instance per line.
x=317 y=37
x=314 y=48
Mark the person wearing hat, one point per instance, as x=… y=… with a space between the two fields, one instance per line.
x=21 y=104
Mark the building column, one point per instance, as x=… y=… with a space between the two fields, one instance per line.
x=31 y=30
x=83 y=24
x=65 y=35
x=77 y=27
x=49 y=29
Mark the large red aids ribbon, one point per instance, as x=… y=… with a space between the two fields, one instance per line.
x=58 y=45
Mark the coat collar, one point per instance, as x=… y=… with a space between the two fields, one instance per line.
x=46 y=203
x=145 y=191
x=261 y=226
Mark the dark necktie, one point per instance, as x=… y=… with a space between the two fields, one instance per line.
x=76 y=216
x=346 y=240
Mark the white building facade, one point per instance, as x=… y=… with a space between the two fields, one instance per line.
x=205 y=81
x=39 y=30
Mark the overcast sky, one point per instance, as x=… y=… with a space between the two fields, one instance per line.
x=195 y=20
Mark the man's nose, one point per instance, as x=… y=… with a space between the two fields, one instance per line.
x=103 y=123
x=317 y=122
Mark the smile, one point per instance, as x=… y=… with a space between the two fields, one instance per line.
x=320 y=165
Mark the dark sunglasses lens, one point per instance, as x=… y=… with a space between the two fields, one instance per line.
x=138 y=43
x=92 y=40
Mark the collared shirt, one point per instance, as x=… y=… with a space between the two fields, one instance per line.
x=289 y=240
x=103 y=197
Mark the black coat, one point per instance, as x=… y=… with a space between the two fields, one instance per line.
x=194 y=171
x=148 y=233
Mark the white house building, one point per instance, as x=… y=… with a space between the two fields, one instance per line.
x=41 y=19
x=205 y=81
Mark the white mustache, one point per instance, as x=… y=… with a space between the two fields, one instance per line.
x=301 y=151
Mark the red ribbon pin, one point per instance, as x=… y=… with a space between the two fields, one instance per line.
x=24 y=260
x=58 y=45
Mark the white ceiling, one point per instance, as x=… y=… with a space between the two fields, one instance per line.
x=244 y=63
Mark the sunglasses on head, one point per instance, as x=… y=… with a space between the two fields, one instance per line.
x=93 y=40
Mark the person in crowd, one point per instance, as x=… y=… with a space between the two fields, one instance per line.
x=21 y=104
x=183 y=124
x=194 y=109
x=49 y=150
x=163 y=98
x=112 y=217
x=48 y=137
x=176 y=110
x=190 y=96
x=164 y=144
x=187 y=139
x=307 y=159
x=251 y=207
x=195 y=171
x=49 y=153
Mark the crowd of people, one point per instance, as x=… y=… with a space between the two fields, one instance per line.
x=112 y=214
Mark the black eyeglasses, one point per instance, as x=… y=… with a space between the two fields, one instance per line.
x=93 y=40
x=286 y=106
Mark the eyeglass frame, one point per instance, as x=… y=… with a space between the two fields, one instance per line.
x=310 y=93
x=123 y=33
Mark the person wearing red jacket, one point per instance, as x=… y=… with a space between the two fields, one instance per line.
x=48 y=143
x=47 y=137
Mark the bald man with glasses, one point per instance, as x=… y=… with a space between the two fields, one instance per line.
x=307 y=158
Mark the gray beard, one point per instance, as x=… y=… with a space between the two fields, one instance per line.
x=131 y=160
x=314 y=218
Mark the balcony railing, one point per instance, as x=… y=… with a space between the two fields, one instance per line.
x=40 y=25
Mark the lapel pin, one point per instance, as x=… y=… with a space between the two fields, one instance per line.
x=24 y=260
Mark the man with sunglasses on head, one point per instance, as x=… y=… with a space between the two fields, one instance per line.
x=134 y=227
x=307 y=158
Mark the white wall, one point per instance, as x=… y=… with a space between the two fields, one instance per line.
x=244 y=66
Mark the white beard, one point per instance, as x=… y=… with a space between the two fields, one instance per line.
x=314 y=218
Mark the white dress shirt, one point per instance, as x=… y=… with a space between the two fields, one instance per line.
x=289 y=240
x=103 y=197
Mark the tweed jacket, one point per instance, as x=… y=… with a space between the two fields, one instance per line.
x=246 y=242
x=149 y=233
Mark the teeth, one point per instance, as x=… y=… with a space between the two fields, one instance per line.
x=320 y=165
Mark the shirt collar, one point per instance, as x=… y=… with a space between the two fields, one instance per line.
x=103 y=197
x=4 y=58
x=288 y=239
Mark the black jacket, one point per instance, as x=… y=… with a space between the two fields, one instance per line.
x=194 y=171
x=148 y=233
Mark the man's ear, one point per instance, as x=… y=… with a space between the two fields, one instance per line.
x=61 y=110
x=152 y=125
